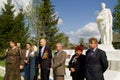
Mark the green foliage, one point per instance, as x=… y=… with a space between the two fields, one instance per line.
x=20 y=29
x=11 y=27
x=62 y=38
x=2 y=63
x=31 y=15
x=116 y=22
x=44 y=22
x=1 y=78
x=81 y=41
x=116 y=18
x=49 y=20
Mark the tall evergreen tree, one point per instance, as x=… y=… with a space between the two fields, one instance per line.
x=11 y=27
x=43 y=20
x=48 y=22
x=21 y=30
x=116 y=23
x=116 y=18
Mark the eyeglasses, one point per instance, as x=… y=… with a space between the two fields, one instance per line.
x=57 y=46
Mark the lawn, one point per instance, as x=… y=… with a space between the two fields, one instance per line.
x=2 y=63
x=1 y=78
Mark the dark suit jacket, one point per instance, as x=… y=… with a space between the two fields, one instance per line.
x=45 y=63
x=96 y=64
x=79 y=66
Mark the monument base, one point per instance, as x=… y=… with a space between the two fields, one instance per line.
x=113 y=56
x=106 y=47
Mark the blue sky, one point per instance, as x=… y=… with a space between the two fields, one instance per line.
x=77 y=14
x=77 y=17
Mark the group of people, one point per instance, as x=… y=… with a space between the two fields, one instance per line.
x=27 y=62
x=20 y=62
x=90 y=66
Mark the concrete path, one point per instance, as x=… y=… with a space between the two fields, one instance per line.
x=2 y=71
x=109 y=74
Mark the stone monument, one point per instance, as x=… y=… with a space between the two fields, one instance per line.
x=104 y=22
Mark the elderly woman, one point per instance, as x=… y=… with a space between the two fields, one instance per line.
x=33 y=55
x=14 y=62
x=76 y=64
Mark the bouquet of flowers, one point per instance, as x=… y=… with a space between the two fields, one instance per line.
x=45 y=55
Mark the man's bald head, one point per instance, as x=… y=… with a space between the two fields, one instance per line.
x=59 y=46
x=43 y=42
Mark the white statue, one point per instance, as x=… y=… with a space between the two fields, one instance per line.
x=104 y=21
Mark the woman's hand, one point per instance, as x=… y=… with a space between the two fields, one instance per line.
x=25 y=61
x=21 y=67
x=6 y=51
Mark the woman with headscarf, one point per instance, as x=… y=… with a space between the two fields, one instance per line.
x=77 y=63
x=33 y=55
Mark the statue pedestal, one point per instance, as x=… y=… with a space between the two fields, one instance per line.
x=106 y=47
x=113 y=56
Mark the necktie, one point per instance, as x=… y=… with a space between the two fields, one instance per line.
x=42 y=50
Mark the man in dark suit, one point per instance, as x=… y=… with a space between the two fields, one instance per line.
x=45 y=56
x=96 y=61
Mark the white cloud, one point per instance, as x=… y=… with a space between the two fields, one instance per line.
x=89 y=30
x=17 y=3
x=22 y=3
x=60 y=21
x=2 y=3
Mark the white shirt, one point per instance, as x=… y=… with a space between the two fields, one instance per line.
x=94 y=49
x=27 y=53
x=42 y=50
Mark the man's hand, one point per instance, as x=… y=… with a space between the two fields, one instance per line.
x=38 y=65
x=52 y=67
x=72 y=69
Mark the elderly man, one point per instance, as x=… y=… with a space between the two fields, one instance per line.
x=58 y=63
x=45 y=56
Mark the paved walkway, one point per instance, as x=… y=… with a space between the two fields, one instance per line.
x=67 y=77
x=109 y=74
x=2 y=71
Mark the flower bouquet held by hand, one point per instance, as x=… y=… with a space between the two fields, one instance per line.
x=45 y=55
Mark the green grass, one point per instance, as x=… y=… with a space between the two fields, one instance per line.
x=1 y=78
x=2 y=63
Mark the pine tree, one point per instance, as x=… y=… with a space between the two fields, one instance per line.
x=48 y=22
x=21 y=29
x=116 y=18
x=43 y=22
x=6 y=24
x=11 y=27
